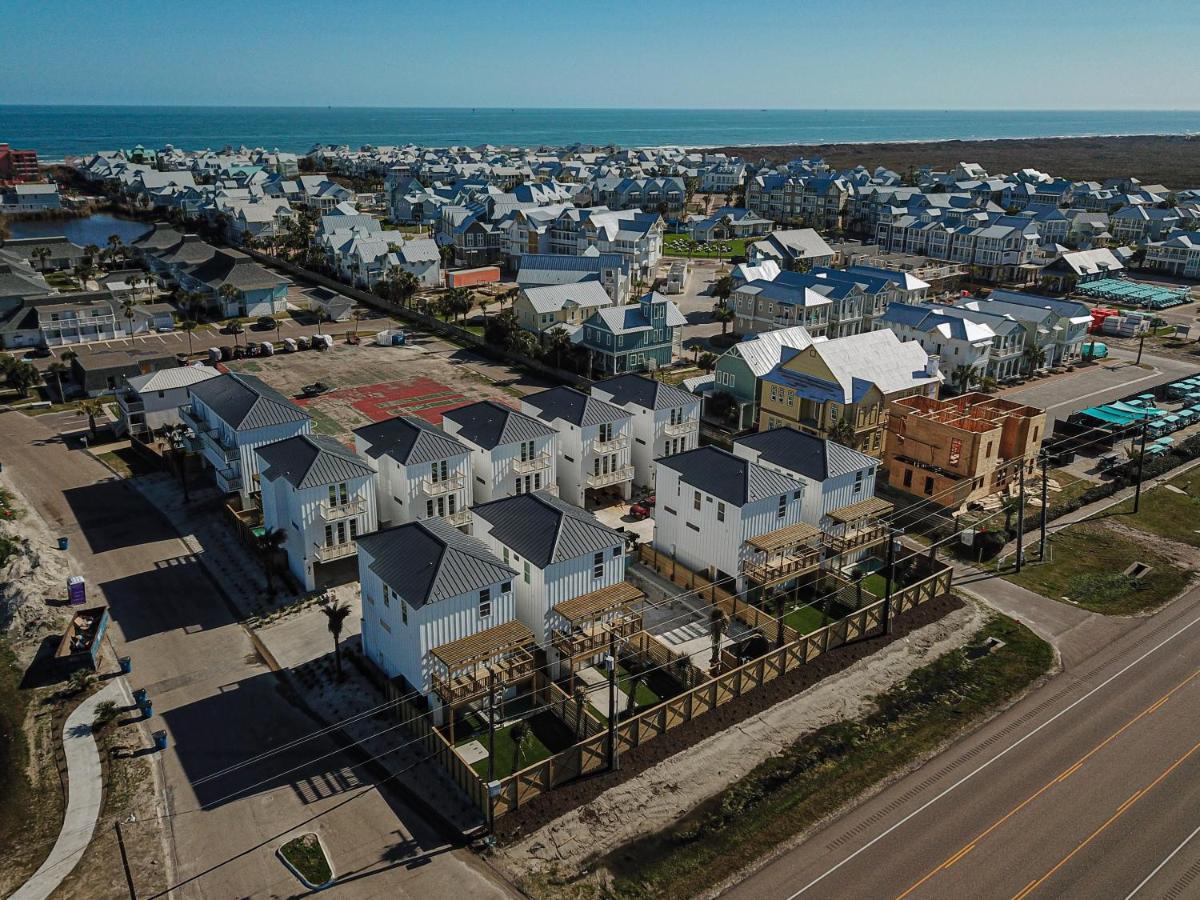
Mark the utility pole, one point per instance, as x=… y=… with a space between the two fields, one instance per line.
x=1021 y=519
x=612 y=701
x=893 y=533
x=1141 y=343
x=1045 y=460
x=1137 y=493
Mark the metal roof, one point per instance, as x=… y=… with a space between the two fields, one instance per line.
x=553 y=297
x=731 y=478
x=647 y=393
x=307 y=461
x=489 y=424
x=813 y=457
x=431 y=560
x=170 y=379
x=244 y=402
x=545 y=530
x=572 y=406
x=409 y=440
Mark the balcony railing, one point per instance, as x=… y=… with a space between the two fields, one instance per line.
x=594 y=637
x=778 y=566
x=458 y=519
x=533 y=464
x=341 y=510
x=616 y=442
x=476 y=682
x=604 y=479
x=336 y=551
x=451 y=482
x=864 y=535
x=133 y=403
x=685 y=427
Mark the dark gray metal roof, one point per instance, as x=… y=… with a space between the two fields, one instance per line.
x=545 y=530
x=431 y=560
x=731 y=478
x=245 y=402
x=572 y=406
x=308 y=460
x=489 y=424
x=409 y=440
x=644 y=392
x=813 y=457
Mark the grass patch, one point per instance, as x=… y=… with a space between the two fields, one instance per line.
x=14 y=750
x=547 y=735
x=1084 y=559
x=126 y=462
x=1165 y=512
x=307 y=857
x=805 y=619
x=325 y=424
x=828 y=768
x=683 y=245
x=646 y=697
x=1072 y=486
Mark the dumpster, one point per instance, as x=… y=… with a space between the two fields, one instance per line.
x=80 y=644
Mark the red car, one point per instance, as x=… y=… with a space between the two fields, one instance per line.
x=640 y=511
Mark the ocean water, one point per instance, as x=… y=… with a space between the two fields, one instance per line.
x=59 y=131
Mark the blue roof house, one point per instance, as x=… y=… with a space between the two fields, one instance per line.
x=634 y=338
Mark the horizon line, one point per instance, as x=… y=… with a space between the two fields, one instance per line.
x=947 y=109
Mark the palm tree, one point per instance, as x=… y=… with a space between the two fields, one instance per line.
x=23 y=376
x=1034 y=357
x=580 y=698
x=842 y=432
x=964 y=378
x=41 y=254
x=404 y=286
x=484 y=303
x=722 y=288
x=1011 y=507
x=724 y=315
x=777 y=595
x=92 y=252
x=695 y=351
x=127 y=307
x=718 y=621
x=557 y=342
x=269 y=544
x=234 y=327
x=187 y=326
x=336 y=612
x=115 y=246
x=229 y=293
x=519 y=734
x=58 y=370
x=631 y=688
x=91 y=408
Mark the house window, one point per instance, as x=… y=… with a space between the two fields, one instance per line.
x=720 y=511
x=525 y=566
x=506 y=587
x=429 y=509
x=387 y=595
x=438 y=471
x=696 y=500
x=505 y=556
x=485 y=603
x=929 y=485
x=605 y=432
x=858 y=482
x=782 y=511
x=598 y=565
x=354 y=529
x=616 y=552
x=403 y=612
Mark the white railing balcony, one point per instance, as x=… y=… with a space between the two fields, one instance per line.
x=685 y=427
x=533 y=464
x=341 y=510
x=616 y=442
x=458 y=519
x=336 y=551
x=452 y=482
x=604 y=479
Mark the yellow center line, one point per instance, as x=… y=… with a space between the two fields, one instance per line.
x=1121 y=810
x=958 y=854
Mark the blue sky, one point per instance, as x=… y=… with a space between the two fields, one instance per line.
x=901 y=54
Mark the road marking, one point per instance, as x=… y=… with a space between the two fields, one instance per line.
x=1058 y=779
x=1013 y=746
x=1121 y=810
x=957 y=856
x=1170 y=856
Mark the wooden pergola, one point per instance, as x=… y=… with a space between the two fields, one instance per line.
x=784 y=553
x=499 y=656
x=592 y=617
x=858 y=525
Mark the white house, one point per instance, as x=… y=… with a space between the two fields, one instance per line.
x=552 y=305
x=559 y=552
x=511 y=453
x=320 y=495
x=420 y=258
x=711 y=503
x=425 y=586
x=594 y=439
x=234 y=414
x=666 y=420
x=148 y=402
x=423 y=472
x=833 y=476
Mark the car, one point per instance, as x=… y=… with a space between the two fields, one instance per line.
x=38 y=353
x=264 y=323
x=312 y=390
x=231 y=328
x=639 y=511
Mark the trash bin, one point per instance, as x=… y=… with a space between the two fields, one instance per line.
x=126 y=665
x=63 y=543
x=139 y=696
x=160 y=740
x=148 y=709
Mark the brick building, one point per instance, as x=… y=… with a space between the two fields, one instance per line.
x=18 y=165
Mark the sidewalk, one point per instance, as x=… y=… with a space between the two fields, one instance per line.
x=85 y=791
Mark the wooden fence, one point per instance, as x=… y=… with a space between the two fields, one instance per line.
x=590 y=754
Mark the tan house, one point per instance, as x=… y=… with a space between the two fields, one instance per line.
x=959 y=450
x=851 y=379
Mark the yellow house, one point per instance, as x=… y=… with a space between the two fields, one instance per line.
x=850 y=379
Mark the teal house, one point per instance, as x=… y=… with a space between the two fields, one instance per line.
x=740 y=369
x=633 y=338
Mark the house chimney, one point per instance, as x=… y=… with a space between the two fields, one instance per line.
x=933 y=365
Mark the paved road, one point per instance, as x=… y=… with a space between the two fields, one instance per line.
x=1080 y=790
x=221 y=705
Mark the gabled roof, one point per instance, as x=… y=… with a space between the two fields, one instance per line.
x=647 y=393
x=489 y=424
x=728 y=477
x=408 y=440
x=572 y=406
x=587 y=294
x=632 y=317
x=858 y=361
x=235 y=268
x=170 y=379
x=244 y=402
x=431 y=560
x=761 y=353
x=813 y=457
x=307 y=461
x=544 y=529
